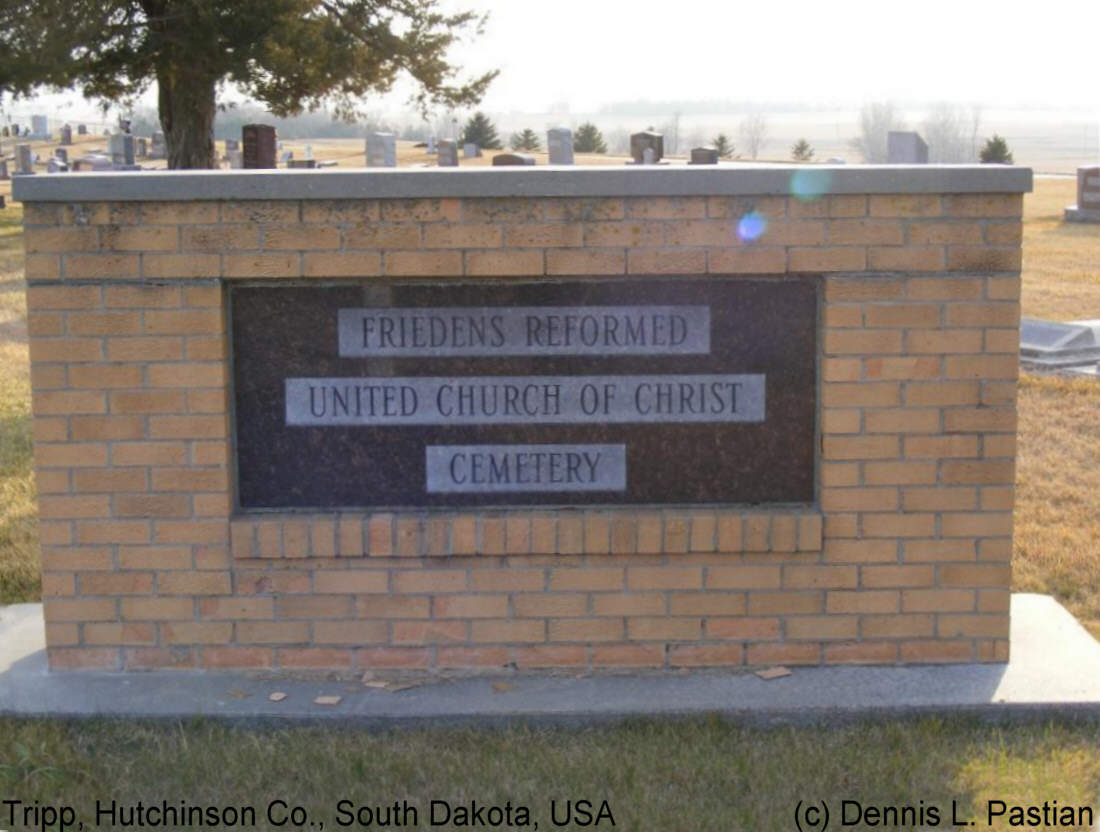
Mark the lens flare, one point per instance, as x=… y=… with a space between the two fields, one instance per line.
x=808 y=184
x=752 y=226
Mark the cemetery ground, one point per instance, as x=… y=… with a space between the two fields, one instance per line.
x=691 y=774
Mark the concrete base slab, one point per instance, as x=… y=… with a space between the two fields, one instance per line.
x=1055 y=669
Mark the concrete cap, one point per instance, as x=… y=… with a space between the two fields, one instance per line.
x=546 y=181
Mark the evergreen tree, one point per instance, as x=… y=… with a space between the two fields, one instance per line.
x=588 y=139
x=290 y=55
x=996 y=151
x=801 y=151
x=723 y=145
x=527 y=140
x=482 y=132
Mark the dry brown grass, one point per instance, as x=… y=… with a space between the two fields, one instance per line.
x=1061 y=259
x=1058 y=467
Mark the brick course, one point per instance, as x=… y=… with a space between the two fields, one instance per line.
x=903 y=558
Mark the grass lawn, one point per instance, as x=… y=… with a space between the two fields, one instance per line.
x=673 y=775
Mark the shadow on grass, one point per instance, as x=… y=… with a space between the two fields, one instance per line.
x=696 y=774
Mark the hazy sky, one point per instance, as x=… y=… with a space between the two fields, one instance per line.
x=584 y=53
x=592 y=51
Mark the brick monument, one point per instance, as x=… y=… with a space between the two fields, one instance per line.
x=647 y=417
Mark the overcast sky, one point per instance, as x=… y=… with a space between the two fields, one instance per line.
x=585 y=53
x=591 y=51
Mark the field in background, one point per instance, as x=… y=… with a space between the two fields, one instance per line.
x=1057 y=523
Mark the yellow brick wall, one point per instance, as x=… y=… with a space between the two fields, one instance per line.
x=905 y=558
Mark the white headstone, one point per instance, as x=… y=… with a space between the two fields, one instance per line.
x=116 y=147
x=40 y=127
x=381 y=150
x=431 y=145
x=559 y=142
x=236 y=158
x=470 y=150
x=56 y=165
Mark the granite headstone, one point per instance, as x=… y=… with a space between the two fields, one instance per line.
x=647 y=140
x=447 y=153
x=559 y=144
x=258 y=142
x=381 y=150
x=906 y=147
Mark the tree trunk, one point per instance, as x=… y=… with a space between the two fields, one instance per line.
x=187 y=109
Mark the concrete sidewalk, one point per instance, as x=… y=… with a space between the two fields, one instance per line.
x=1055 y=669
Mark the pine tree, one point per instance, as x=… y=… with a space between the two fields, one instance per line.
x=801 y=151
x=527 y=140
x=996 y=151
x=482 y=132
x=723 y=145
x=588 y=139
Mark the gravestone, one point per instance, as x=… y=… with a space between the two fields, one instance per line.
x=906 y=147
x=66 y=134
x=40 y=127
x=431 y=145
x=286 y=156
x=82 y=129
x=128 y=150
x=381 y=150
x=447 y=153
x=559 y=144
x=470 y=150
x=1051 y=344
x=647 y=140
x=507 y=159
x=301 y=164
x=24 y=160
x=236 y=159
x=258 y=142
x=1087 y=208
x=93 y=161
x=62 y=154
x=703 y=156
x=4 y=169
x=142 y=147
x=159 y=148
x=55 y=165
x=116 y=147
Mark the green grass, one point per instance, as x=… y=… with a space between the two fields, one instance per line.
x=705 y=774
x=19 y=574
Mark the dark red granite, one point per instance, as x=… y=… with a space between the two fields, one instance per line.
x=758 y=325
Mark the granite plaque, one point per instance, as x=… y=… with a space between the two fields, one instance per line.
x=481 y=469
x=583 y=392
